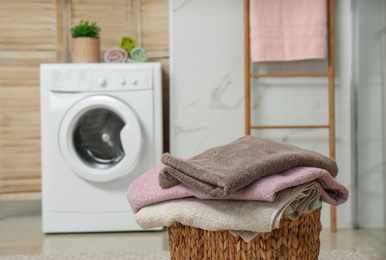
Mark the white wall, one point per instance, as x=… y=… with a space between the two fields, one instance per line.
x=207 y=87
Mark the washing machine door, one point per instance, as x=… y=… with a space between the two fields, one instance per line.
x=100 y=138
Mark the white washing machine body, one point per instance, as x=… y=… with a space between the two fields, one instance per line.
x=101 y=127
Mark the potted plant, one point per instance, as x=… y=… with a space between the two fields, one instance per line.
x=85 y=44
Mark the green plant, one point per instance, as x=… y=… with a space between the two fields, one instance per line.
x=84 y=29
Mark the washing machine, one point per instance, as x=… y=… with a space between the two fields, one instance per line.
x=101 y=127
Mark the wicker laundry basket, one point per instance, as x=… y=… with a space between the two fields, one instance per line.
x=294 y=239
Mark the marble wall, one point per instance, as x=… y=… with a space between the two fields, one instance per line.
x=207 y=88
x=207 y=97
x=370 y=29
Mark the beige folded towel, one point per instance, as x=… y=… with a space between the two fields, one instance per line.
x=220 y=171
x=256 y=216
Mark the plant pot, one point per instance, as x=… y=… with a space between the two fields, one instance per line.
x=85 y=50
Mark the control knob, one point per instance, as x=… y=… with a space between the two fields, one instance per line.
x=101 y=82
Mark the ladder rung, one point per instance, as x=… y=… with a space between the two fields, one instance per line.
x=290 y=75
x=287 y=126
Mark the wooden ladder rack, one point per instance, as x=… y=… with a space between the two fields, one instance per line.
x=331 y=95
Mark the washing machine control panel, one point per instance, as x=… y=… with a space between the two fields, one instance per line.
x=80 y=80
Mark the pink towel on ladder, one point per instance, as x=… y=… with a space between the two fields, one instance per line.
x=285 y=30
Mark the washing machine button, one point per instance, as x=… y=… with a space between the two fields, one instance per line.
x=123 y=82
x=134 y=82
x=101 y=82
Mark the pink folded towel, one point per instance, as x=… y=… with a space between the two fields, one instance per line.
x=116 y=55
x=284 y=30
x=145 y=190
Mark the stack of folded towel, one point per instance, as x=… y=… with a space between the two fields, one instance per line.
x=246 y=187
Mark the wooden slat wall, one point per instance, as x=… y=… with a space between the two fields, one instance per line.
x=153 y=35
x=31 y=34
x=146 y=21
x=154 y=28
x=115 y=18
x=28 y=37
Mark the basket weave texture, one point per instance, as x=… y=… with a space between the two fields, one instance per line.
x=294 y=239
x=85 y=50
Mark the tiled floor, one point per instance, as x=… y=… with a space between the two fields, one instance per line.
x=22 y=235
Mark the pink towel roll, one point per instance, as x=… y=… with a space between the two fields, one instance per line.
x=285 y=30
x=116 y=54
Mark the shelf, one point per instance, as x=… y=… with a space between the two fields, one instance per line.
x=290 y=75
x=287 y=126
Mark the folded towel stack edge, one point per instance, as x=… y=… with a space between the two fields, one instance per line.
x=197 y=200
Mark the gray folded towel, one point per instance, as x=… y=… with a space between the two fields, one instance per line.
x=222 y=170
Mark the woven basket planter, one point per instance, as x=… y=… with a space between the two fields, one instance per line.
x=294 y=239
x=85 y=50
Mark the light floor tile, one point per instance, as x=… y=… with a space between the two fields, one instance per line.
x=348 y=238
x=21 y=228
x=378 y=233
x=102 y=242
x=28 y=246
x=23 y=235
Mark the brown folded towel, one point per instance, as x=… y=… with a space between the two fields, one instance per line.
x=222 y=170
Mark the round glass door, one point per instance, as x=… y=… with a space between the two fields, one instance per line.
x=100 y=138
x=97 y=138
